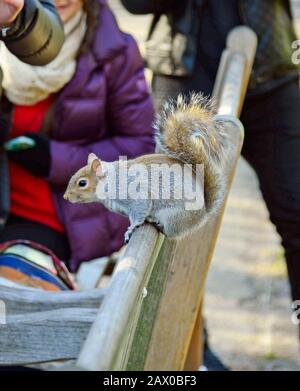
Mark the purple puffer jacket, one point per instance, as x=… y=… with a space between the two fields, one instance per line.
x=105 y=109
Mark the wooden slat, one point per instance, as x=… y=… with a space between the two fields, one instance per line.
x=239 y=55
x=146 y=320
x=90 y=273
x=101 y=350
x=45 y=326
x=44 y=336
x=195 y=355
x=172 y=311
x=22 y=301
x=243 y=40
x=169 y=315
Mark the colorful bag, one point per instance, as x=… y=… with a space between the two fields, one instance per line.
x=30 y=264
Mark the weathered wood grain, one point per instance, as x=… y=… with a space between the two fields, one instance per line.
x=90 y=273
x=44 y=336
x=172 y=313
x=105 y=341
x=234 y=70
x=22 y=301
x=175 y=289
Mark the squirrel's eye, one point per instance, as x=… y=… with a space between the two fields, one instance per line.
x=82 y=183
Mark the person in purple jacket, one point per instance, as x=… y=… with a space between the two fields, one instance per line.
x=92 y=98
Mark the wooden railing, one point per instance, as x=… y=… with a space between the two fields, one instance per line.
x=155 y=332
x=149 y=317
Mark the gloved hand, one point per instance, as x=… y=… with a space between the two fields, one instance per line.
x=37 y=160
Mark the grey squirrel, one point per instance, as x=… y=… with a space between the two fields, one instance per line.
x=188 y=133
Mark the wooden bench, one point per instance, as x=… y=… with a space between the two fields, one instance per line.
x=149 y=316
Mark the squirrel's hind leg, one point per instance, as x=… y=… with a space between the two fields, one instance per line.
x=138 y=217
x=180 y=224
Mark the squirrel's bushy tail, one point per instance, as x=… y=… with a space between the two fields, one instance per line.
x=187 y=130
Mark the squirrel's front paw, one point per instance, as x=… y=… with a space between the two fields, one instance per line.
x=130 y=231
x=127 y=236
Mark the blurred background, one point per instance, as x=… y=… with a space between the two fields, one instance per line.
x=247 y=303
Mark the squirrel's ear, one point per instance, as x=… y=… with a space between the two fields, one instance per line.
x=91 y=158
x=100 y=170
x=95 y=165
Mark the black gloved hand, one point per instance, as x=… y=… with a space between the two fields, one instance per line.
x=37 y=160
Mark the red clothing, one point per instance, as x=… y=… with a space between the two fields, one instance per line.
x=31 y=196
